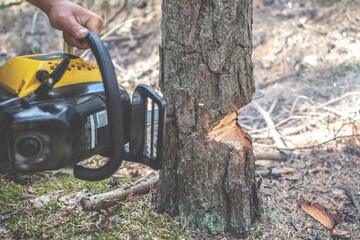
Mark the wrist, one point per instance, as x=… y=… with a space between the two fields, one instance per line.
x=46 y=5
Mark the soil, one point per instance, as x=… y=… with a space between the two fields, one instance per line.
x=307 y=64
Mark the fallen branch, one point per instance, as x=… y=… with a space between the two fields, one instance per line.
x=107 y=199
x=269 y=156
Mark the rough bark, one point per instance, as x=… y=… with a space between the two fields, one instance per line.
x=206 y=75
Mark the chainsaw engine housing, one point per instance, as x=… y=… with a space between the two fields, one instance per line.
x=61 y=130
x=50 y=121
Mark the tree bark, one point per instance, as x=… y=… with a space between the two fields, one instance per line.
x=206 y=75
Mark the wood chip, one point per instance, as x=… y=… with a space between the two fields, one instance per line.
x=321 y=214
x=288 y=170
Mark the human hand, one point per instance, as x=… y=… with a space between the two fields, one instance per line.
x=70 y=18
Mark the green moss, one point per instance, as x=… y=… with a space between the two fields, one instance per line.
x=52 y=221
x=210 y=221
x=257 y=231
x=74 y=225
x=147 y=224
x=214 y=223
x=71 y=183
x=10 y=196
x=53 y=206
x=27 y=227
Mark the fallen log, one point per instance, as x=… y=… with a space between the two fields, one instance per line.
x=270 y=156
x=108 y=199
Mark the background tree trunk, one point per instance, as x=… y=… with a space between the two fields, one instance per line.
x=208 y=177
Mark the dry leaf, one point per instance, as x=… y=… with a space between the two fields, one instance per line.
x=31 y=190
x=288 y=170
x=320 y=213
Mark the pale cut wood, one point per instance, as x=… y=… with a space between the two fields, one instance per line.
x=107 y=199
x=228 y=131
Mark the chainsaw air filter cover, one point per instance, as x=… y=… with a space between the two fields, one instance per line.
x=57 y=110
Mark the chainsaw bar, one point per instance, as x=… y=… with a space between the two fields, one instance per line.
x=172 y=118
x=169 y=118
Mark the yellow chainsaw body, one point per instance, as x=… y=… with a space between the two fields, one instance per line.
x=18 y=75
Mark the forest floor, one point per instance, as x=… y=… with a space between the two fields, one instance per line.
x=307 y=65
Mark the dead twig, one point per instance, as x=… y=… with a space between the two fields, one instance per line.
x=296 y=101
x=33 y=22
x=317 y=145
x=12 y=3
x=340 y=98
x=273 y=132
x=107 y=199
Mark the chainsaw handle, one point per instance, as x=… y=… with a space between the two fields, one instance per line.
x=115 y=111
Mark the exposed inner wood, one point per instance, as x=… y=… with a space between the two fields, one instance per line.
x=228 y=131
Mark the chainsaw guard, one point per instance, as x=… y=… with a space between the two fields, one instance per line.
x=147 y=127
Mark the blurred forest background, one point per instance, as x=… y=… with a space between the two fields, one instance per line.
x=307 y=65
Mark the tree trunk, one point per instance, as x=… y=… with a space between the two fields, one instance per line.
x=208 y=177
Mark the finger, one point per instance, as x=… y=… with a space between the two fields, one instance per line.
x=74 y=42
x=75 y=29
x=95 y=24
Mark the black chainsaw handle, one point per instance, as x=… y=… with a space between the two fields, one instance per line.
x=115 y=111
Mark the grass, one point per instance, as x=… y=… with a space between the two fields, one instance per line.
x=64 y=219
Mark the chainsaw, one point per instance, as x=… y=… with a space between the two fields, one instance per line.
x=57 y=110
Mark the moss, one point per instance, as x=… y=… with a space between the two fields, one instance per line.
x=257 y=231
x=26 y=227
x=71 y=183
x=52 y=221
x=53 y=206
x=74 y=225
x=214 y=222
x=10 y=196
